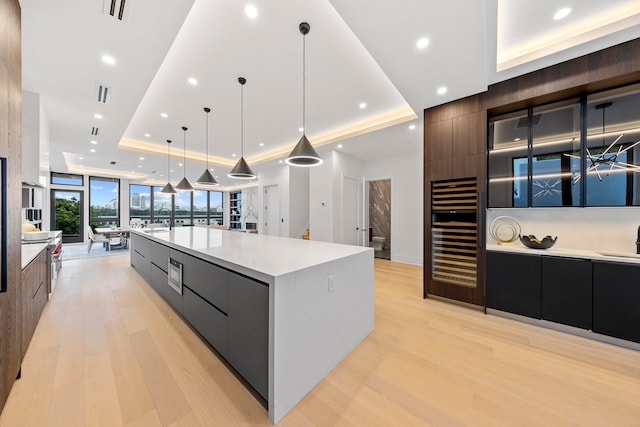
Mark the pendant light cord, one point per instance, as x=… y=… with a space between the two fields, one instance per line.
x=207 y=129
x=184 y=151
x=241 y=120
x=168 y=160
x=304 y=97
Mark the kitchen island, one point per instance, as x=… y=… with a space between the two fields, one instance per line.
x=282 y=312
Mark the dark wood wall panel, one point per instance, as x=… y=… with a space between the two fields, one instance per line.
x=438 y=140
x=11 y=148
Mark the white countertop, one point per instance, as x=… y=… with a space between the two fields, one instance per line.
x=31 y=251
x=567 y=253
x=270 y=255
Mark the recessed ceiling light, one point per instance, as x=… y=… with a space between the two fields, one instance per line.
x=412 y=127
x=97 y=116
x=179 y=164
x=442 y=90
x=251 y=11
x=108 y=59
x=279 y=161
x=147 y=135
x=262 y=144
x=301 y=129
x=171 y=170
x=93 y=150
x=516 y=139
x=139 y=166
x=141 y=158
x=562 y=13
x=233 y=155
x=422 y=43
x=164 y=115
x=80 y=158
x=339 y=145
x=94 y=142
x=363 y=105
x=161 y=174
x=192 y=81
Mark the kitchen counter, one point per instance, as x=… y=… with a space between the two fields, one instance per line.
x=319 y=299
x=30 y=251
x=611 y=256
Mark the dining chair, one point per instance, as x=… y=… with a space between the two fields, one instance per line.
x=97 y=239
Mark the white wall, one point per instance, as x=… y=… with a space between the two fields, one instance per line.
x=321 y=203
x=406 y=174
x=345 y=166
x=298 y=201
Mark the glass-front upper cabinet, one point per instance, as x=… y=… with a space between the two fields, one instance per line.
x=534 y=157
x=613 y=148
x=555 y=159
x=508 y=159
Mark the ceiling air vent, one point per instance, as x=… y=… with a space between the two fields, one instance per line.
x=95 y=130
x=116 y=8
x=103 y=93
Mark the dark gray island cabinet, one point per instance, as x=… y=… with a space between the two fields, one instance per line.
x=280 y=312
x=585 y=293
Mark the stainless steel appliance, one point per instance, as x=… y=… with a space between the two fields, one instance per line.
x=175 y=275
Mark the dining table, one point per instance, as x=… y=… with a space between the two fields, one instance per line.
x=124 y=232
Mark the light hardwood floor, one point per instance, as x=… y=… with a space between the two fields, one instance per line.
x=108 y=351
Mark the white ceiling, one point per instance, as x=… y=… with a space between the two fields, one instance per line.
x=357 y=51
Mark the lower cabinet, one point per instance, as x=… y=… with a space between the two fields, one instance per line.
x=208 y=320
x=229 y=310
x=567 y=291
x=616 y=300
x=248 y=331
x=513 y=283
x=33 y=291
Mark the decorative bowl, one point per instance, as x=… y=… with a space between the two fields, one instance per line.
x=532 y=242
x=504 y=229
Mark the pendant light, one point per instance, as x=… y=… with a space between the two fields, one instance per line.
x=241 y=170
x=184 y=184
x=168 y=188
x=303 y=154
x=206 y=178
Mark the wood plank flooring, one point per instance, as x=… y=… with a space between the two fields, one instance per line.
x=108 y=351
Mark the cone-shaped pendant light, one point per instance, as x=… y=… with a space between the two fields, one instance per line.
x=241 y=170
x=206 y=178
x=303 y=154
x=168 y=188
x=184 y=184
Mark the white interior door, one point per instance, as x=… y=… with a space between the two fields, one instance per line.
x=351 y=201
x=271 y=210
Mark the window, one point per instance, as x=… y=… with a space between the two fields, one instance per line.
x=191 y=207
x=67 y=179
x=104 y=201
x=215 y=207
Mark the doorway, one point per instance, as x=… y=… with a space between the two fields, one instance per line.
x=67 y=214
x=380 y=218
x=271 y=211
x=351 y=202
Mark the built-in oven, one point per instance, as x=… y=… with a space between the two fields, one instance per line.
x=175 y=275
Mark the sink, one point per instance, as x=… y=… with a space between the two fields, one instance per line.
x=155 y=230
x=621 y=254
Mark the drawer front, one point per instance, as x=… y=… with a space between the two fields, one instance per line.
x=207 y=280
x=141 y=264
x=141 y=245
x=160 y=282
x=207 y=320
x=160 y=255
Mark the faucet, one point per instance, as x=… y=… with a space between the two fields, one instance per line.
x=638 y=242
x=170 y=216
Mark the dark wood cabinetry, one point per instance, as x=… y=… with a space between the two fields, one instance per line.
x=567 y=291
x=514 y=283
x=34 y=296
x=616 y=300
